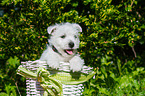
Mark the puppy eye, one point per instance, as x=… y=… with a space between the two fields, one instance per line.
x=63 y=36
x=75 y=36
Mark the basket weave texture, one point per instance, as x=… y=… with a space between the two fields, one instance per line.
x=33 y=87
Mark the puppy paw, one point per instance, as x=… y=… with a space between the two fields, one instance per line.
x=53 y=64
x=76 y=63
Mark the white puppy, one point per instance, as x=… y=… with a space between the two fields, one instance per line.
x=63 y=44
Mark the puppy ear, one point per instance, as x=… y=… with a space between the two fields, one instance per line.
x=51 y=29
x=78 y=27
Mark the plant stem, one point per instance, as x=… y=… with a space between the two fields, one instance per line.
x=134 y=51
x=17 y=88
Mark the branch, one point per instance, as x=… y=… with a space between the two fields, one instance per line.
x=132 y=3
x=17 y=88
x=134 y=51
x=124 y=56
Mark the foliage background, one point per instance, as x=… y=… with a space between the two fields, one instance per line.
x=113 y=41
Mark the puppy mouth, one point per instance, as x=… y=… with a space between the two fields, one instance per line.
x=69 y=51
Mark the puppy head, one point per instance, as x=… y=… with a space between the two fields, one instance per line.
x=65 y=37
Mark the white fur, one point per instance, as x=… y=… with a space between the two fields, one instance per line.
x=70 y=32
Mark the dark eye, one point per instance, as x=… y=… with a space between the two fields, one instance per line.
x=75 y=36
x=63 y=36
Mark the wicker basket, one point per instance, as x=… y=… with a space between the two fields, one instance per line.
x=33 y=87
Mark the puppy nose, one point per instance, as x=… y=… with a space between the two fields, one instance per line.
x=71 y=44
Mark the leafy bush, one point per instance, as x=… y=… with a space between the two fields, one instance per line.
x=9 y=80
x=113 y=41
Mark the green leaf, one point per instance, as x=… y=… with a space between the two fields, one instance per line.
x=3 y=94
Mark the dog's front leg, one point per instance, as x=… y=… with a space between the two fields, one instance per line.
x=76 y=63
x=53 y=62
x=51 y=59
